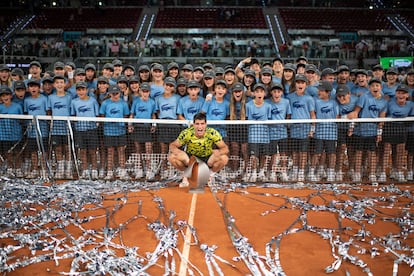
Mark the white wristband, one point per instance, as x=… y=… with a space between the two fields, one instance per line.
x=240 y=65
x=70 y=74
x=313 y=128
x=344 y=116
x=379 y=131
x=154 y=124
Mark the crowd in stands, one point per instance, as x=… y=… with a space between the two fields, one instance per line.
x=246 y=91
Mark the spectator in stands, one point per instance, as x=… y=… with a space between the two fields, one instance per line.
x=143 y=108
x=115 y=132
x=395 y=134
x=278 y=132
x=303 y=107
x=258 y=134
x=367 y=135
x=191 y=104
x=204 y=48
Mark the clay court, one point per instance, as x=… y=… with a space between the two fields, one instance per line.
x=139 y=228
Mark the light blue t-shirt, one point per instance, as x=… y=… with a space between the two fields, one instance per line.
x=85 y=108
x=326 y=110
x=258 y=133
x=111 y=109
x=301 y=107
x=188 y=108
x=10 y=129
x=59 y=106
x=279 y=111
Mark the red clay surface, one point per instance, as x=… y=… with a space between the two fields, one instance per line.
x=259 y=214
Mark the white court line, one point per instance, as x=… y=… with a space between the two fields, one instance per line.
x=187 y=241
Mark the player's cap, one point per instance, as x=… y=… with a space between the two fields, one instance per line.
x=342 y=90
x=143 y=68
x=209 y=74
x=208 y=66
x=181 y=81
x=80 y=71
x=81 y=84
x=325 y=86
x=58 y=77
x=392 y=70
x=377 y=67
x=193 y=83
x=301 y=58
x=34 y=82
x=134 y=78
x=266 y=70
x=276 y=85
x=199 y=68
x=71 y=64
x=277 y=59
x=221 y=82
x=35 y=63
x=157 y=66
x=374 y=80
x=289 y=66
x=117 y=62
x=59 y=65
x=259 y=85
x=47 y=79
x=188 y=67
x=310 y=68
x=249 y=72
x=114 y=89
x=4 y=89
x=129 y=66
x=410 y=72
x=342 y=68
x=19 y=84
x=17 y=72
x=361 y=72
x=121 y=78
x=4 y=67
x=238 y=87
x=103 y=79
x=172 y=65
x=403 y=87
x=108 y=66
x=327 y=71
x=90 y=66
x=230 y=70
x=219 y=71
x=301 y=77
x=170 y=80
x=145 y=86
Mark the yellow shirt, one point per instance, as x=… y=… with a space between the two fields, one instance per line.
x=201 y=147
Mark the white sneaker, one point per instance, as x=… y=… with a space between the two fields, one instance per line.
x=330 y=175
x=94 y=174
x=339 y=177
x=321 y=173
x=356 y=178
x=33 y=174
x=123 y=174
x=410 y=175
x=101 y=174
x=19 y=173
x=139 y=173
x=10 y=172
x=184 y=183
x=311 y=175
x=85 y=174
x=372 y=178
x=246 y=177
x=301 y=175
x=253 y=177
x=382 y=177
x=109 y=175
x=400 y=177
x=272 y=176
x=150 y=175
x=284 y=177
x=261 y=176
x=393 y=174
x=69 y=170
